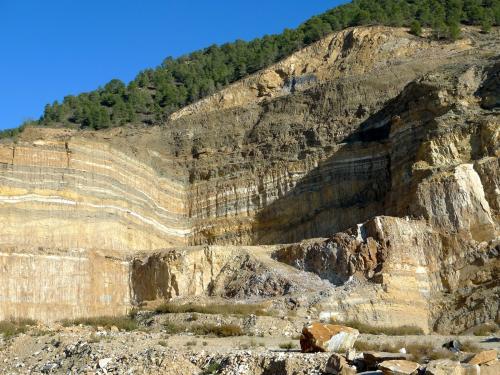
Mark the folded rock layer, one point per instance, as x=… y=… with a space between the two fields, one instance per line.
x=383 y=144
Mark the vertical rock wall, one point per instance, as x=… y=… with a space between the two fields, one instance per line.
x=49 y=287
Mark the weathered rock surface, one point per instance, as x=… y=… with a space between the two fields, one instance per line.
x=338 y=365
x=374 y=358
x=444 y=367
x=351 y=52
x=399 y=367
x=450 y=367
x=490 y=368
x=319 y=337
x=372 y=155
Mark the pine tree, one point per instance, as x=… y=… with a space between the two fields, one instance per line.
x=416 y=28
x=155 y=93
x=486 y=24
x=453 y=30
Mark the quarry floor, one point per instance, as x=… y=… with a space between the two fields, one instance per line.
x=82 y=349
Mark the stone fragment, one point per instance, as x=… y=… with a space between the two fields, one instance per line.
x=454 y=345
x=49 y=367
x=350 y=355
x=373 y=358
x=318 y=337
x=337 y=364
x=398 y=367
x=103 y=363
x=444 y=367
x=483 y=357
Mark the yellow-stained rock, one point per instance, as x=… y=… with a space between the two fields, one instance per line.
x=490 y=368
x=399 y=367
x=319 y=337
x=338 y=365
x=443 y=367
x=484 y=357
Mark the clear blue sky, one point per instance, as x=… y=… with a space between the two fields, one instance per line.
x=52 y=48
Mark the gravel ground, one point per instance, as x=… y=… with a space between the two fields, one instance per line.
x=85 y=350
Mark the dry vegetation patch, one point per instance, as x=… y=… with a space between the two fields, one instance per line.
x=485 y=330
x=121 y=322
x=223 y=330
x=12 y=327
x=222 y=309
x=470 y=347
x=419 y=352
x=287 y=345
x=405 y=330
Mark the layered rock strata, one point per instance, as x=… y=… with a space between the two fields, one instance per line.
x=76 y=193
x=389 y=140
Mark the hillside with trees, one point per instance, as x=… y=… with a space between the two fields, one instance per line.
x=155 y=93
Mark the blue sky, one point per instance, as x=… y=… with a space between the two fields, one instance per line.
x=53 y=48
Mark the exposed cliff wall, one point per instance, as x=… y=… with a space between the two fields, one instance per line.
x=392 y=271
x=52 y=285
x=351 y=52
x=78 y=193
x=301 y=165
x=370 y=127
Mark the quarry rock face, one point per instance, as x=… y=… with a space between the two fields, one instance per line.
x=357 y=179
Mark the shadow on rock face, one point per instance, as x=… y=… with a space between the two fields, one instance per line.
x=489 y=92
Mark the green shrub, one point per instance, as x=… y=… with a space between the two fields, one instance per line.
x=156 y=93
x=287 y=346
x=213 y=368
x=416 y=28
x=454 y=30
x=486 y=25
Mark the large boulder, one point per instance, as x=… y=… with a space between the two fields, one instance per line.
x=319 y=337
x=399 y=367
x=443 y=367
